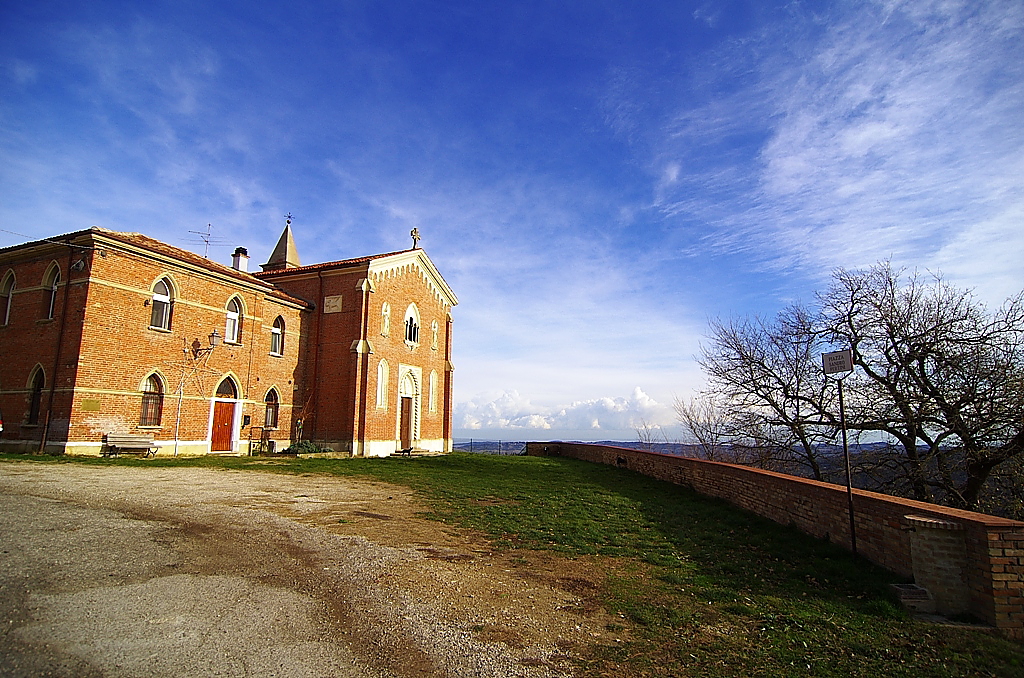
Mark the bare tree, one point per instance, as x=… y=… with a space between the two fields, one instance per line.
x=939 y=377
x=645 y=435
x=938 y=373
x=769 y=373
x=708 y=422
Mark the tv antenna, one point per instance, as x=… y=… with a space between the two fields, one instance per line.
x=208 y=239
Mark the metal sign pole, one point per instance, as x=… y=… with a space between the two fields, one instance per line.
x=849 y=474
x=833 y=363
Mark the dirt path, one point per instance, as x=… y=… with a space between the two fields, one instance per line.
x=113 y=571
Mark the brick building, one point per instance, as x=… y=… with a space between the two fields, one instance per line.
x=103 y=332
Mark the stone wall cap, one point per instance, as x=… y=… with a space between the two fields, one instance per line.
x=932 y=523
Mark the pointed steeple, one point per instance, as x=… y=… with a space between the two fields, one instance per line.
x=285 y=255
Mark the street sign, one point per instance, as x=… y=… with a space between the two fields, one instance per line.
x=838 y=361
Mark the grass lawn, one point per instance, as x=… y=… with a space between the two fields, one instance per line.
x=705 y=589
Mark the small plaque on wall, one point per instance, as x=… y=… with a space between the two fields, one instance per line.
x=332 y=304
x=90 y=405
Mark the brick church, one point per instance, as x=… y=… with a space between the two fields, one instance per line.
x=107 y=335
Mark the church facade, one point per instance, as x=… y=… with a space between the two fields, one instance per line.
x=105 y=334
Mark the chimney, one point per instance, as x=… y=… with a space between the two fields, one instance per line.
x=240 y=260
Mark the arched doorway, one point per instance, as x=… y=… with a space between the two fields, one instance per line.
x=408 y=410
x=222 y=428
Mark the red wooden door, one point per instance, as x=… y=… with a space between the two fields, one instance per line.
x=223 y=420
x=405 y=425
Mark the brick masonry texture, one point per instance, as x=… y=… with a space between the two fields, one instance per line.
x=987 y=549
x=99 y=349
x=343 y=406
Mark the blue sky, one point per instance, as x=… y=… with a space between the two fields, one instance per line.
x=594 y=179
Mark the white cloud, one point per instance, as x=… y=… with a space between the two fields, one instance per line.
x=872 y=132
x=519 y=416
x=895 y=133
x=709 y=13
x=22 y=72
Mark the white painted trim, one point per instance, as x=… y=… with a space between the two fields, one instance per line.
x=90 y=448
x=380 y=448
x=236 y=427
x=416 y=258
x=417 y=401
x=433 y=445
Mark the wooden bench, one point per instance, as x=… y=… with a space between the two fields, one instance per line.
x=139 y=443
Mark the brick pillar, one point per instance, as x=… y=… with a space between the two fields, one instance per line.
x=939 y=558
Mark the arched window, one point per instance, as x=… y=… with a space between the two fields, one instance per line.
x=6 y=295
x=382 y=384
x=277 y=337
x=163 y=301
x=385 y=319
x=50 y=284
x=227 y=389
x=233 y=322
x=36 y=395
x=152 y=402
x=433 y=391
x=433 y=332
x=272 y=405
x=412 y=325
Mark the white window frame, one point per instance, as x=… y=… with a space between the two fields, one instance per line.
x=233 y=322
x=277 y=337
x=164 y=302
x=412 y=331
x=272 y=406
x=50 y=283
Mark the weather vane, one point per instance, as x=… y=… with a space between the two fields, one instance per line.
x=415 y=233
x=288 y=219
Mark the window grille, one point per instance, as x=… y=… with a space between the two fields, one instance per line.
x=152 y=402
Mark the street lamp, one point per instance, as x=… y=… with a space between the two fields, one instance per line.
x=199 y=350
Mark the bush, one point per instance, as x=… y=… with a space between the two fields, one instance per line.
x=305 y=447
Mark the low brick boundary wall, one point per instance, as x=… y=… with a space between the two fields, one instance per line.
x=971 y=561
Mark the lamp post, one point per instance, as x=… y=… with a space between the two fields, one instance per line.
x=197 y=350
x=841 y=362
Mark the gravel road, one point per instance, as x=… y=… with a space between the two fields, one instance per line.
x=115 y=571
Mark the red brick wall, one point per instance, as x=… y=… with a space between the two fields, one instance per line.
x=30 y=339
x=994 y=547
x=328 y=408
x=344 y=405
x=109 y=348
x=400 y=289
x=118 y=324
